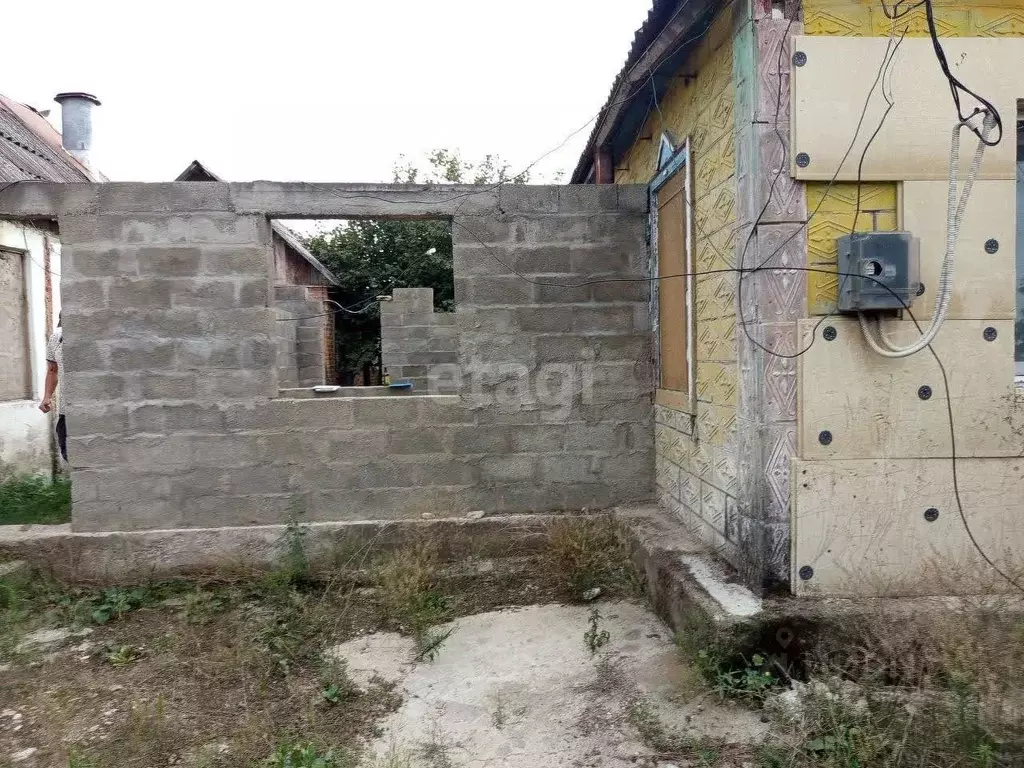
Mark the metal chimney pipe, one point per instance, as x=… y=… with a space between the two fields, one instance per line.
x=76 y=122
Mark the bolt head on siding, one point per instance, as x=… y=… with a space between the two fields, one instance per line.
x=806 y=573
x=924 y=392
x=825 y=437
x=803 y=160
x=799 y=58
x=991 y=245
x=990 y=334
x=829 y=334
x=931 y=514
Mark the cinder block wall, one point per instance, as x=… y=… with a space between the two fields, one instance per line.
x=414 y=338
x=302 y=337
x=172 y=344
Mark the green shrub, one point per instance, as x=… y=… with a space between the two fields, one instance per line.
x=34 y=499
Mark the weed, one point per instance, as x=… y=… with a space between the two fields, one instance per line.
x=595 y=638
x=305 y=755
x=34 y=499
x=590 y=552
x=436 y=753
x=121 y=655
x=408 y=580
x=115 y=602
x=77 y=759
x=429 y=642
x=502 y=716
x=751 y=680
x=201 y=606
x=644 y=717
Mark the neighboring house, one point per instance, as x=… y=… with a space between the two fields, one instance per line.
x=761 y=381
x=301 y=285
x=30 y=149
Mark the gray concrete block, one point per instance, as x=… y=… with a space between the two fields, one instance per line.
x=139 y=355
x=258 y=353
x=636 y=290
x=168 y=261
x=116 y=485
x=86 y=356
x=79 y=293
x=604 y=318
x=203 y=293
x=209 y=353
x=95 y=452
x=186 y=417
x=328 y=413
x=240 y=322
x=87 y=419
x=262 y=480
x=485 y=230
x=537 y=438
x=168 y=386
x=82 y=261
x=241 y=384
x=355 y=444
x=253 y=293
x=603 y=259
x=156 y=228
x=638 y=466
x=94 y=387
x=170 y=197
x=420 y=440
x=505 y=289
x=522 y=198
x=633 y=198
x=509 y=468
x=587 y=198
x=471 y=440
x=607 y=437
x=386 y=411
x=388 y=472
x=238 y=261
x=290 y=292
x=444 y=471
x=566 y=289
x=569 y=468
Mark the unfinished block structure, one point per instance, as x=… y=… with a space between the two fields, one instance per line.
x=418 y=344
x=172 y=342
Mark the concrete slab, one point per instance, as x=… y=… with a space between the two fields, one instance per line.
x=520 y=688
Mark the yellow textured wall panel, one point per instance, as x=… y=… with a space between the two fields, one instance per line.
x=860 y=526
x=872 y=407
x=836 y=207
x=953 y=18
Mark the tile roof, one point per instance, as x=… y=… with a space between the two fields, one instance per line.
x=660 y=15
x=30 y=148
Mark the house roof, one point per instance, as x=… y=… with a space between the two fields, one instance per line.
x=196 y=171
x=659 y=48
x=30 y=148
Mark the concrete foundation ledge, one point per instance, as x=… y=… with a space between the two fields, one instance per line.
x=120 y=557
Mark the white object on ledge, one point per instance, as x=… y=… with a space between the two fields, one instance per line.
x=323 y=389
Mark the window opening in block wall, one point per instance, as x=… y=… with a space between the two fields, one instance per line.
x=672 y=245
x=345 y=266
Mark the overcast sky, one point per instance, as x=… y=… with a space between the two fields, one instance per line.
x=327 y=90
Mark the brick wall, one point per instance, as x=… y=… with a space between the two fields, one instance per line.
x=303 y=333
x=415 y=339
x=172 y=346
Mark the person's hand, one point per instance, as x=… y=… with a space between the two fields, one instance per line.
x=46 y=405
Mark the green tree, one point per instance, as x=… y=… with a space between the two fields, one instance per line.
x=372 y=257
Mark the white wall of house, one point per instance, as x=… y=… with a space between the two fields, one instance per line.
x=25 y=432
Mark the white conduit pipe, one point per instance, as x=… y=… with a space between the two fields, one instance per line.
x=954 y=217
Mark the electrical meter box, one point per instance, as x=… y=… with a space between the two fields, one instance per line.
x=878 y=271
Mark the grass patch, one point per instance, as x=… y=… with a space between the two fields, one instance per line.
x=590 y=553
x=35 y=500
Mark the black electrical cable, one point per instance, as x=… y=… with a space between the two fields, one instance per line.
x=956 y=86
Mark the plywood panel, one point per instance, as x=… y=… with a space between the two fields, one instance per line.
x=673 y=317
x=983 y=284
x=871 y=405
x=830 y=90
x=861 y=526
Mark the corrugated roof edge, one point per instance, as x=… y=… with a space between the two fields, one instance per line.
x=659 y=17
x=196 y=168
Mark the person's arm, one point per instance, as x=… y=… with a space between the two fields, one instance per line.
x=51 y=386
